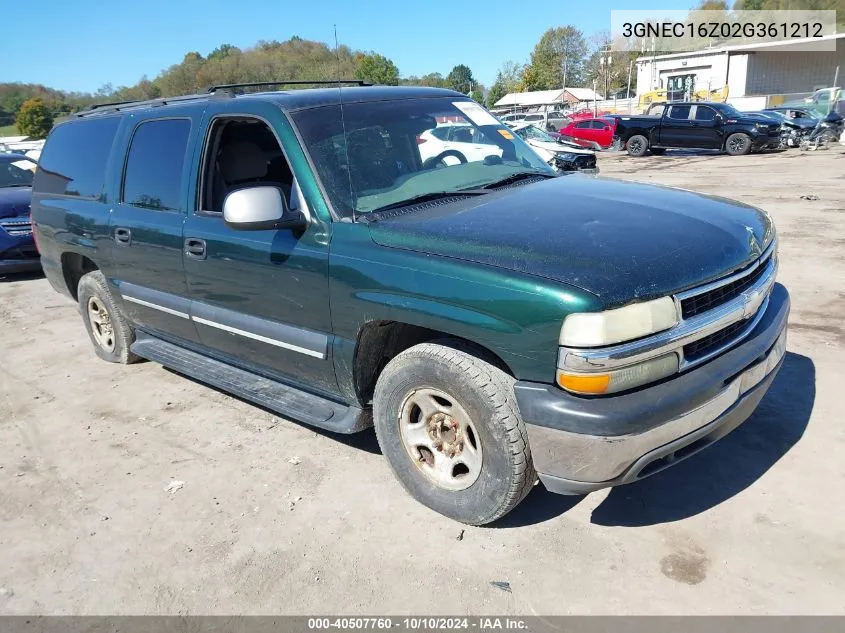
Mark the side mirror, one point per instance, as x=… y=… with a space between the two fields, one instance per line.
x=260 y=209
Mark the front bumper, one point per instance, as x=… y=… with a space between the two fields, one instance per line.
x=584 y=444
x=19 y=265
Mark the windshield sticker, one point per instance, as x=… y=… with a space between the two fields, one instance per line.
x=475 y=113
x=506 y=134
x=25 y=164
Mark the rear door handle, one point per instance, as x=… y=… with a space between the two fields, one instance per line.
x=123 y=236
x=195 y=248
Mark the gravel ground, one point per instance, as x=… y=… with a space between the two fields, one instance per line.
x=275 y=518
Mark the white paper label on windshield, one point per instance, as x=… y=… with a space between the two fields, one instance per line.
x=24 y=164
x=475 y=113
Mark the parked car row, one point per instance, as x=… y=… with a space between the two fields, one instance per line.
x=17 y=248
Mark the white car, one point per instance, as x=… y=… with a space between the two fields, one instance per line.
x=461 y=139
x=562 y=156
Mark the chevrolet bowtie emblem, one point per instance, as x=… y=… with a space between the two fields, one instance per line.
x=753 y=244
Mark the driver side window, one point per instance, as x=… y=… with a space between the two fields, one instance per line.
x=242 y=153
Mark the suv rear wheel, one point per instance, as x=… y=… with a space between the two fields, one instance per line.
x=108 y=329
x=450 y=429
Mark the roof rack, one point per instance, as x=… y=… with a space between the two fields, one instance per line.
x=294 y=82
x=116 y=106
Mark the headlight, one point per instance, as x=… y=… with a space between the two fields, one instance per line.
x=619 y=379
x=567 y=156
x=595 y=329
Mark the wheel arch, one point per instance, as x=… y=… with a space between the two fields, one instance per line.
x=379 y=341
x=74 y=266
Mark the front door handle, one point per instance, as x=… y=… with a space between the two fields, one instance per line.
x=195 y=248
x=123 y=236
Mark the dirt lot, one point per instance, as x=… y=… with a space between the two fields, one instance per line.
x=755 y=524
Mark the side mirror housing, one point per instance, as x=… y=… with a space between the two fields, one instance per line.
x=260 y=208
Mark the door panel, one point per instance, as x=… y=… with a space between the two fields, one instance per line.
x=676 y=128
x=260 y=298
x=706 y=128
x=146 y=225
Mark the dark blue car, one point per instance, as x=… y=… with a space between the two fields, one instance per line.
x=17 y=248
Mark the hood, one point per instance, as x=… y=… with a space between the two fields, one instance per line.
x=756 y=118
x=557 y=148
x=14 y=201
x=618 y=240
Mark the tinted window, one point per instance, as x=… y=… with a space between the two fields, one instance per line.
x=703 y=113
x=154 y=167
x=597 y=125
x=74 y=159
x=583 y=124
x=534 y=117
x=679 y=112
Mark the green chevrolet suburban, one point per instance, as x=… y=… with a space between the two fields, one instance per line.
x=495 y=321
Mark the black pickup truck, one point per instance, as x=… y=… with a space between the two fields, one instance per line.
x=697 y=125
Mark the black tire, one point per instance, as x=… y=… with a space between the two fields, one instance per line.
x=637 y=145
x=658 y=151
x=485 y=393
x=93 y=293
x=738 y=144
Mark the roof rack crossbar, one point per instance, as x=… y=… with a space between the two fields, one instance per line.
x=293 y=82
x=115 y=106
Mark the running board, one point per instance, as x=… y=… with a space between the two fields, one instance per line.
x=285 y=400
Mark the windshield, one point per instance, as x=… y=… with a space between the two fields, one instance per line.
x=532 y=133
x=17 y=172
x=401 y=149
x=729 y=110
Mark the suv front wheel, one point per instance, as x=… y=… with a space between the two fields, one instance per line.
x=450 y=429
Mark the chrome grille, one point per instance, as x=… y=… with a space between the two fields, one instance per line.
x=16 y=227
x=717 y=296
x=709 y=344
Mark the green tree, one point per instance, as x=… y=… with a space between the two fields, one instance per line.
x=561 y=50
x=34 y=119
x=376 y=69
x=713 y=5
x=460 y=78
x=224 y=50
x=508 y=79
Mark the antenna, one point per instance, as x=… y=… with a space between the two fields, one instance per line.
x=343 y=125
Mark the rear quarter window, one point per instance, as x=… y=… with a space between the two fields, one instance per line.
x=73 y=162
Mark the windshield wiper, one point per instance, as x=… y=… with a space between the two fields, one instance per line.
x=426 y=197
x=520 y=175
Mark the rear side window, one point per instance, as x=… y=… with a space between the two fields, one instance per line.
x=154 y=167
x=73 y=162
x=679 y=112
x=703 y=113
x=583 y=125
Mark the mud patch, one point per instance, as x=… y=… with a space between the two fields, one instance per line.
x=688 y=566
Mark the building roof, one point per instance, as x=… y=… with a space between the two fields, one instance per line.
x=540 y=97
x=803 y=44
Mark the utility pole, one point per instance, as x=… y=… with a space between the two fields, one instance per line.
x=604 y=62
x=564 y=61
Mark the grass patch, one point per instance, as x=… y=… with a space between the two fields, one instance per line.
x=9 y=130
